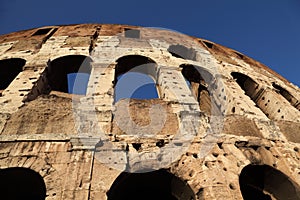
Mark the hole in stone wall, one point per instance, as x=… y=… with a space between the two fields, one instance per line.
x=180 y=51
x=160 y=143
x=200 y=194
x=231 y=186
x=199 y=80
x=238 y=54
x=151 y=185
x=135 y=77
x=252 y=89
x=42 y=31
x=9 y=69
x=287 y=95
x=220 y=145
x=233 y=110
x=137 y=146
x=266 y=183
x=132 y=33
x=208 y=44
x=69 y=74
x=246 y=83
x=21 y=183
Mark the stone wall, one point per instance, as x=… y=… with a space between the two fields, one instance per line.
x=202 y=140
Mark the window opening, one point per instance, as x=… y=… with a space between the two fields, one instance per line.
x=135 y=85
x=9 y=70
x=180 y=51
x=135 y=77
x=250 y=87
x=208 y=44
x=132 y=33
x=77 y=83
x=69 y=74
x=198 y=81
x=42 y=31
x=287 y=95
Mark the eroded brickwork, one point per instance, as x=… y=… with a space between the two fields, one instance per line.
x=235 y=118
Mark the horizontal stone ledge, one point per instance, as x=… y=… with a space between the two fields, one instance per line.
x=35 y=137
x=47 y=137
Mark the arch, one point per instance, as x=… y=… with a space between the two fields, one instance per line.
x=158 y=184
x=9 y=69
x=67 y=73
x=267 y=183
x=136 y=63
x=180 y=51
x=199 y=80
x=21 y=183
x=247 y=84
x=135 y=77
x=266 y=99
x=287 y=95
x=208 y=44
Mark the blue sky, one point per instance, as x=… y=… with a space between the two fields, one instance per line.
x=266 y=30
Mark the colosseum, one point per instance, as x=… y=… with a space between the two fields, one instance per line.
x=100 y=111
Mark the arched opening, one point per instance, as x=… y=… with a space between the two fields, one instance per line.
x=267 y=183
x=159 y=184
x=69 y=74
x=287 y=95
x=247 y=84
x=180 y=51
x=208 y=44
x=9 y=69
x=198 y=79
x=21 y=183
x=135 y=77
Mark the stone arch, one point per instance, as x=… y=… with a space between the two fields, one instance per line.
x=287 y=95
x=60 y=70
x=247 y=84
x=21 y=183
x=200 y=81
x=180 y=51
x=251 y=88
x=266 y=99
x=9 y=69
x=138 y=72
x=158 y=184
x=267 y=183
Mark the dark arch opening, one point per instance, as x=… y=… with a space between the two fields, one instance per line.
x=287 y=95
x=247 y=84
x=9 y=69
x=159 y=184
x=267 y=183
x=199 y=81
x=208 y=44
x=21 y=183
x=69 y=74
x=180 y=51
x=135 y=77
x=135 y=63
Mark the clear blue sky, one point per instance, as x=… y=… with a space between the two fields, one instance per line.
x=266 y=30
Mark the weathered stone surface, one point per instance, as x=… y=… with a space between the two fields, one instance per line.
x=204 y=134
x=46 y=114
